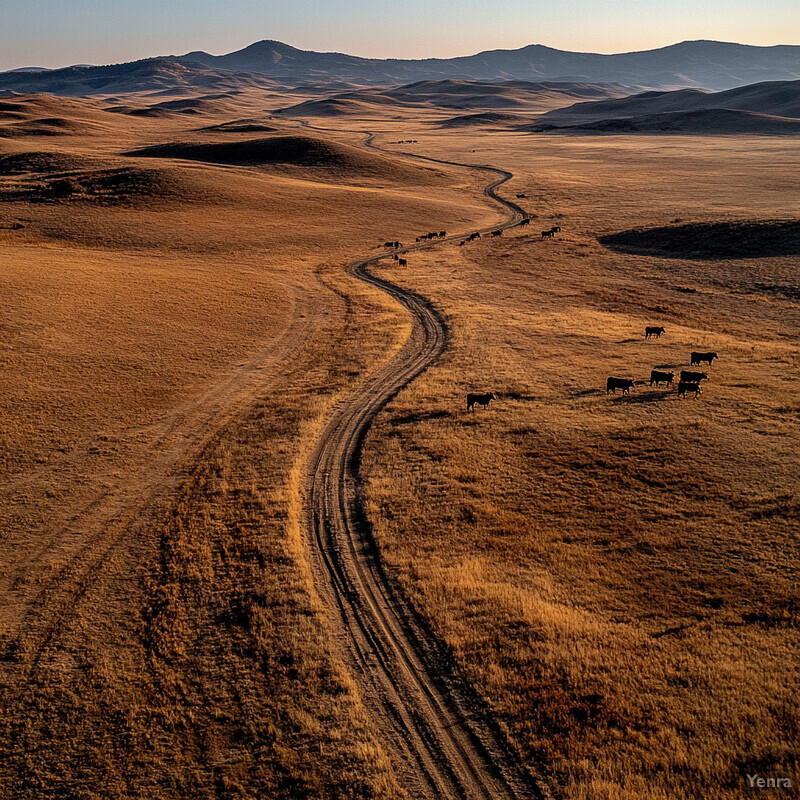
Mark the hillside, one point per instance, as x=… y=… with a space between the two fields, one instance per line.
x=774 y=98
x=155 y=74
x=303 y=152
x=706 y=122
x=456 y=94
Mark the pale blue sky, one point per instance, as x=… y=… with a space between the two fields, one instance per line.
x=52 y=33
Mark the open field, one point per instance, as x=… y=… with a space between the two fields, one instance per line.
x=173 y=331
x=614 y=577
x=616 y=574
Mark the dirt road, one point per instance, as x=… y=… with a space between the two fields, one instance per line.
x=444 y=743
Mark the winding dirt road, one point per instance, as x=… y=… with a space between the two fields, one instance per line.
x=444 y=743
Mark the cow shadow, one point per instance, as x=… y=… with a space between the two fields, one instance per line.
x=585 y=392
x=420 y=416
x=644 y=397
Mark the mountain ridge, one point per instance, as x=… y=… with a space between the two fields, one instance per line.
x=706 y=63
x=701 y=63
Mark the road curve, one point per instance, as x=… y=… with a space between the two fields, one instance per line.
x=443 y=741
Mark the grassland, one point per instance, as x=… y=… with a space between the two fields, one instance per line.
x=617 y=575
x=173 y=335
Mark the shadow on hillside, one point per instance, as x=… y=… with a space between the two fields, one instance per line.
x=711 y=240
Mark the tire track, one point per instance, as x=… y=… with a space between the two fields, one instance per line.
x=445 y=743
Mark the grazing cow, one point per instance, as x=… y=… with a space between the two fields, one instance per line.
x=417 y=239
x=699 y=358
x=657 y=377
x=693 y=377
x=498 y=232
x=684 y=388
x=548 y=234
x=461 y=244
x=652 y=330
x=473 y=236
x=520 y=196
x=556 y=229
x=442 y=234
x=432 y=235
x=388 y=244
x=525 y=221
x=395 y=256
x=402 y=262
x=483 y=399
x=612 y=384
x=397 y=245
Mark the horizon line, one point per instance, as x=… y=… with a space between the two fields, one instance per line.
x=84 y=65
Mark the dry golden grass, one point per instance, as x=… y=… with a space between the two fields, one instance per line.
x=617 y=576
x=173 y=336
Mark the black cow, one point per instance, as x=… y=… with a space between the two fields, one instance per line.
x=612 y=384
x=498 y=232
x=525 y=221
x=442 y=234
x=699 y=358
x=657 y=377
x=652 y=330
x=401 y=262
x=684 y=388
x=693 y=377
x=548 y=234
x=556 y=229
x=483 y=399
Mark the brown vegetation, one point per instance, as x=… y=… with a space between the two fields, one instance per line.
x=172 y=338
x=616 y=576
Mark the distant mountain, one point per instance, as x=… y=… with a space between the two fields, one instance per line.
x=779 y=100
x=699 y=64
x=153 y=74
x=712 y=65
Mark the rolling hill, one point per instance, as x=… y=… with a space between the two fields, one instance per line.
x=779 y=98
x=148 y=75
x=313 y=154
x=709 y=121
x=457 y=94
x=767 y=107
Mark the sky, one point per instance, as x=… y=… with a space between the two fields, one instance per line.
x=54 y=33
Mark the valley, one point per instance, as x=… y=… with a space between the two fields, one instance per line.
x=596 y=593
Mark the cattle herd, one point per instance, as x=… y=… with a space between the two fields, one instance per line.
x=689 y=382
